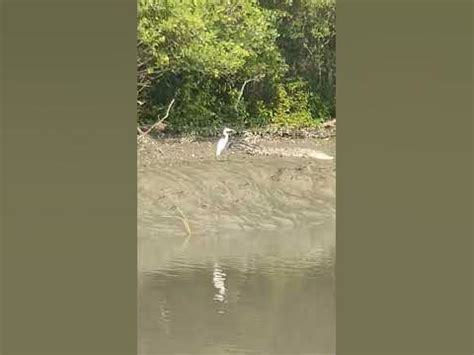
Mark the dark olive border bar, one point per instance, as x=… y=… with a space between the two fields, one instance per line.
x=68 y=177
x=404 y=177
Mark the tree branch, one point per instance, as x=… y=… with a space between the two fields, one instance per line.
x=258 y=77
x=156 y=124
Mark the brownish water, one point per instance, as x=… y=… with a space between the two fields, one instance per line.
x=236 y=256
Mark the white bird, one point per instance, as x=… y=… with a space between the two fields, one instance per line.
x=222 y=144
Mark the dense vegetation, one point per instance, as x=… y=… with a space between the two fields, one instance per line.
x=247 y=63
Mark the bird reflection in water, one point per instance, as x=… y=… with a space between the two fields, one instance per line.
x=218 y=279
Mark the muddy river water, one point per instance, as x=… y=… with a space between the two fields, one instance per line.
x=236 y=256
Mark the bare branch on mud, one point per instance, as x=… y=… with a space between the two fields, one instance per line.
x=156 y=124
x=183 y=219
x=258 y=77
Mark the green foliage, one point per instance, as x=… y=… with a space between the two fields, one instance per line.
x=293 y=106
x=201 y=53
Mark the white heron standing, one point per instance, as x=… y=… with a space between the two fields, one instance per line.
x=222 y=144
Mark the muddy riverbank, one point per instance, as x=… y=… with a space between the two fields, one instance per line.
x=239 y=187
x=152 y=151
